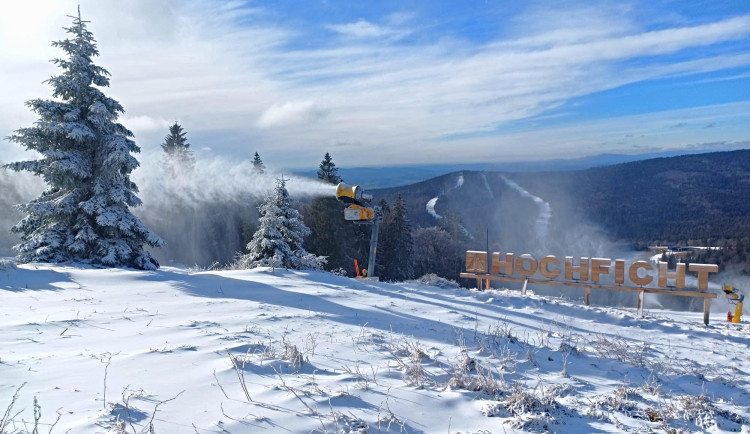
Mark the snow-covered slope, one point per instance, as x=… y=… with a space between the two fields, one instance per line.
x=112 y=350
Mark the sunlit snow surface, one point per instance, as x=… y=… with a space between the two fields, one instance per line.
x=370 y=357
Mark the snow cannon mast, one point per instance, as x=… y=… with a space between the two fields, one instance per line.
x=359 y=212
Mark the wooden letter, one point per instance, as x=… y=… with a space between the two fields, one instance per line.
x=678 y=275
x=619 y=271
x=633 y=273
x=703 y=270
x=506 y=266
x=544 y=265
x=582 y=269
x=599 y=266
x=476 y=262
x=522 y=270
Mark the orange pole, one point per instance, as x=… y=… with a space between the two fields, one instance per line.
x=356 y=267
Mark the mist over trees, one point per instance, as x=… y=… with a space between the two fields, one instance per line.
x=178 y=159
x=86 y=163
x=278 y=241
x=258 y=165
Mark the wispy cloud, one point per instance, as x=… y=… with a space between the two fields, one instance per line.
x=290 y=113
x=365 y=29
x=252 y=83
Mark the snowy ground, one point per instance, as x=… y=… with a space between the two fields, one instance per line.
x=110 y=350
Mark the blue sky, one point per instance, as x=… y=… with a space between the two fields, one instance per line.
x=403 y=82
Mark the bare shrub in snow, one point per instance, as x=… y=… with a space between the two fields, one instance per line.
x=408 y=347
x=620 y=401
x=214 y=266
x=435 y=280
x=468 y=374
x=533 y=409
x=350 y=424
x=620 y=349
x=699 y=411
x=363 y=379
x=293 y=355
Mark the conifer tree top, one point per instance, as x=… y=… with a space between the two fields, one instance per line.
x=258 y=164
x=328 y=171
x=176 y=140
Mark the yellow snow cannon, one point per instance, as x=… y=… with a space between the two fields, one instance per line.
x=352 y=194
x=736 y=299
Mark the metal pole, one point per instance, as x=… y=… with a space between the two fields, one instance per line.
x=374 y=242
x=489 y=255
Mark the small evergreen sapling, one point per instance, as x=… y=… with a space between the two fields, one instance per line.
x=86 y=162
x=278 y=241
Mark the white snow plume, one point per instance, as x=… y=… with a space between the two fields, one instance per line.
x=545 y=211
x=206 y=215
x=16 y=188
x=210 y=212
x=218 y=179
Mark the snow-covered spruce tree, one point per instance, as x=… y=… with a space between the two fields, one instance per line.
x=278 y=241
x=86 y=162
x=178 y=159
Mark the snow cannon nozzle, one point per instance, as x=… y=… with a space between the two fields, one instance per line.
x=352 y=194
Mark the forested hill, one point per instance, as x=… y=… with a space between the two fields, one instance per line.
x=692 y=198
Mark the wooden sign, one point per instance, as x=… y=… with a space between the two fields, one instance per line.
x=588 y=272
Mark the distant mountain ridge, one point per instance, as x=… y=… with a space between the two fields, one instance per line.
x=691 y=197
x=393 y=176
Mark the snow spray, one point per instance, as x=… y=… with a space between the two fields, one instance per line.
x=205 y=215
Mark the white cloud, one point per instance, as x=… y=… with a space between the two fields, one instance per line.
x=145 y=124
x=290 y=113
x=229 y=77
x=364 y=29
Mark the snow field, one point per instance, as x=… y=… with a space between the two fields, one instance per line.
x=112 y=350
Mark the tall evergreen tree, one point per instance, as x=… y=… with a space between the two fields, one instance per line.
x=86 y=162
x=328 y=171
x=258 y=164
x=178 y=159
x=278 y=240
x=327 y=222
x=396 y=254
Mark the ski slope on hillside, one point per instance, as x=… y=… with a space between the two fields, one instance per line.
x=114 y=350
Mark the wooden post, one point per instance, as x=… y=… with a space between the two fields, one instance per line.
x=706 y=309
x=523 y=288
x=587 y=296
x=479 y=284
x=641 y=294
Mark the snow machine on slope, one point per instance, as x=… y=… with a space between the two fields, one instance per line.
x=735 y=298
